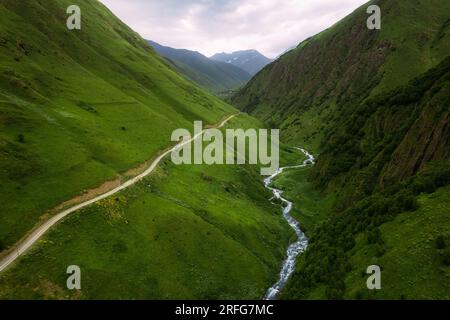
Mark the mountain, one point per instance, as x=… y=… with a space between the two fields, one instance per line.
x=347 y=61
x=78 y=107
x=375 y=106
x=249 y=60
x=285 y=51
x=81 y=113
x=212 y=75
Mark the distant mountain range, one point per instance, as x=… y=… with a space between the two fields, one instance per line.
x=249 y=60
x=213 y=75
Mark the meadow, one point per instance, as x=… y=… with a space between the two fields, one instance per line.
x=185 y=232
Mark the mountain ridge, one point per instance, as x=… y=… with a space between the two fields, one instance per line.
x=251 y=60
x=375 y=106
x=212 y=75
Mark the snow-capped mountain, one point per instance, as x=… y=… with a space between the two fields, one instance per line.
x=249 y=60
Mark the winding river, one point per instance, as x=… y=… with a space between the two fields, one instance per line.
x=302 y=242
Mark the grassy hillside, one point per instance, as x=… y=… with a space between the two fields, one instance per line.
x=302 y=91
x=389 y=138
x=403 y=229
x=375 y=105
x=424 y=237
x=311 y=207
x=218 y=77
x=78 y=107
x=185 y=232
x=378 y=170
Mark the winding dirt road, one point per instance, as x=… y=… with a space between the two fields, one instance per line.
x=24 y=245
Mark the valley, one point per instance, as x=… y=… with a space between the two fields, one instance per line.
x=170 y=216
x=94 y=171
x=217 y=76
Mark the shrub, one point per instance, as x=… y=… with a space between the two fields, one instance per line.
x=440 y=242
x=374 y=236
x=380 y=250
x=21 y=138
x=333 y=294
x=359 y=295
x=446 y=257
x=207 y=178
x=406 y=201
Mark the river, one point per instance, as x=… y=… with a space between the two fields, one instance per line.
x=302 y=241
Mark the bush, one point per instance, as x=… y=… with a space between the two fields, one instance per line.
x=333 y=294
x=440 y=242
x=374 y=236
x=21 y=138
x=406 y=201
x=446 y=257
x=380 y=250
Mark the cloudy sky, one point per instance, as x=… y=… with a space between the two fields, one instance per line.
x=211 y=26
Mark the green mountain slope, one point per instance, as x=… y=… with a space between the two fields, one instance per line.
x=77 y=107
x=375 y=105
x=389 y=138
x=348 y=63
x=379 y=172
x=423 y=237
x=212 y=75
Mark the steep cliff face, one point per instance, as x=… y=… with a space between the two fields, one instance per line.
x=389 y=138
x=428 y=139
x=347 y=64
x=336 y=94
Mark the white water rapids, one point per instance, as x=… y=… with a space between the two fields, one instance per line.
x=302 y=243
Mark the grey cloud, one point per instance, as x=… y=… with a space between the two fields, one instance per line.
x=210 y=26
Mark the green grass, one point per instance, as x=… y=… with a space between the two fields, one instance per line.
x=421 y=40
x=79 y=107
x=289 y=156
x=311 y=208
x=412 y=265
x=185 y=232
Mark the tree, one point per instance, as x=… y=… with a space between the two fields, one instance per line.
x=21 y=138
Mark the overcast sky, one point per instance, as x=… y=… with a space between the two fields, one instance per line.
x=211 y=26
